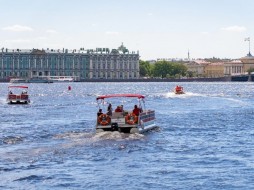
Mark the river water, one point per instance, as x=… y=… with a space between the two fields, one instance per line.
x=205 y=138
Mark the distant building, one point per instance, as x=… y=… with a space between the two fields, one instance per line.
x=151 y=61
x=235 y=67
x=214 y=70
x=173 y=59
x=80 y=64
x=197 y=67
x=248 y=62
x=202 y=68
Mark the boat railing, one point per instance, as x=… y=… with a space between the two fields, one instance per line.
x=18 y=97
x=24 y=96
x=117 y=115
x=147 y=116
x=12 y=96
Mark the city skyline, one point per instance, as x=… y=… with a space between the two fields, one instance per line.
x=157 y=29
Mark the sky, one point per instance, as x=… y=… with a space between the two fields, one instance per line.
x=155 y=28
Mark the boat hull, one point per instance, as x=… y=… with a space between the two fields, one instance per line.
x=146 y=122
x=18 y=99
x=18 y=81
x=179 y=92
x=40 y=80
x=17 y=102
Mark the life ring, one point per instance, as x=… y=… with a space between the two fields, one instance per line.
x=131 y=119
x=104 y=119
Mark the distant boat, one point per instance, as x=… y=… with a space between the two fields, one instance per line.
x=178 y=90
x=62 y=78
x=18 y=97
x=40 y=80
x=18 y=80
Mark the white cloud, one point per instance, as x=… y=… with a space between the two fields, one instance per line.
x=51 y=31
x=18 y=28
x=204 y=33
x=112 y=33
x=18 y=41
x=234 y=28
x=41 y=38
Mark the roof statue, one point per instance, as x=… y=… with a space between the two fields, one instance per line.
x=123 y=49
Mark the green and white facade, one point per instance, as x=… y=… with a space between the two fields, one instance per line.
x=81 y=64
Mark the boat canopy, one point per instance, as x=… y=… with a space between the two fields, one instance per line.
x=120 y=95
x=17 y=86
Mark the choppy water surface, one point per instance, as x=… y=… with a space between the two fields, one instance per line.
x=205 y=140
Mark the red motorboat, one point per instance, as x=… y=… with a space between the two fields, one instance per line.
x=18 y=95
x=179 y=90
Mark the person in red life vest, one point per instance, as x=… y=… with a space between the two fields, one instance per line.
x=118 y=109
x=179 y=88
x=136 y=110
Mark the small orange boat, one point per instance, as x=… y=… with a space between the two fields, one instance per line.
x=179 y=90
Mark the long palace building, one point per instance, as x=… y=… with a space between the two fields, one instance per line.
x=82 y=64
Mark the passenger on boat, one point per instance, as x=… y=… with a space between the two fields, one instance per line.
x=10 y=92
x=136 y=110
x=109 y=110
x=118 y=109
x=178 y=88
x=99 y=112
x=24 y=92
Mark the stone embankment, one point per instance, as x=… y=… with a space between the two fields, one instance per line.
x=221 y=79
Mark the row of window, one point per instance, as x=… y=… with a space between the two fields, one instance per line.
x=234 y=69
x=43 y=67
x=115 y=59
x=66 y=65
x=34 y=64
x=115 y=66
x=35 y=73
x=114 y=75
x=22 y=65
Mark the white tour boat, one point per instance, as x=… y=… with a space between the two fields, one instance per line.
x=62 y=78
x=18 y=95
x=40 y=80
x=18 y=80
x=128 y=121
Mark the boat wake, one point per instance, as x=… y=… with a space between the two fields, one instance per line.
x=74 y=139
x=185 y=95
x=2 y=100
x=115 y=135
x=12 y=140
x=95 y=137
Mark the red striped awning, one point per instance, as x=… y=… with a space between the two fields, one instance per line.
x=120 y=95
x=17 y=86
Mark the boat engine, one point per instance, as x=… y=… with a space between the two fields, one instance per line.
x=114 y=126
